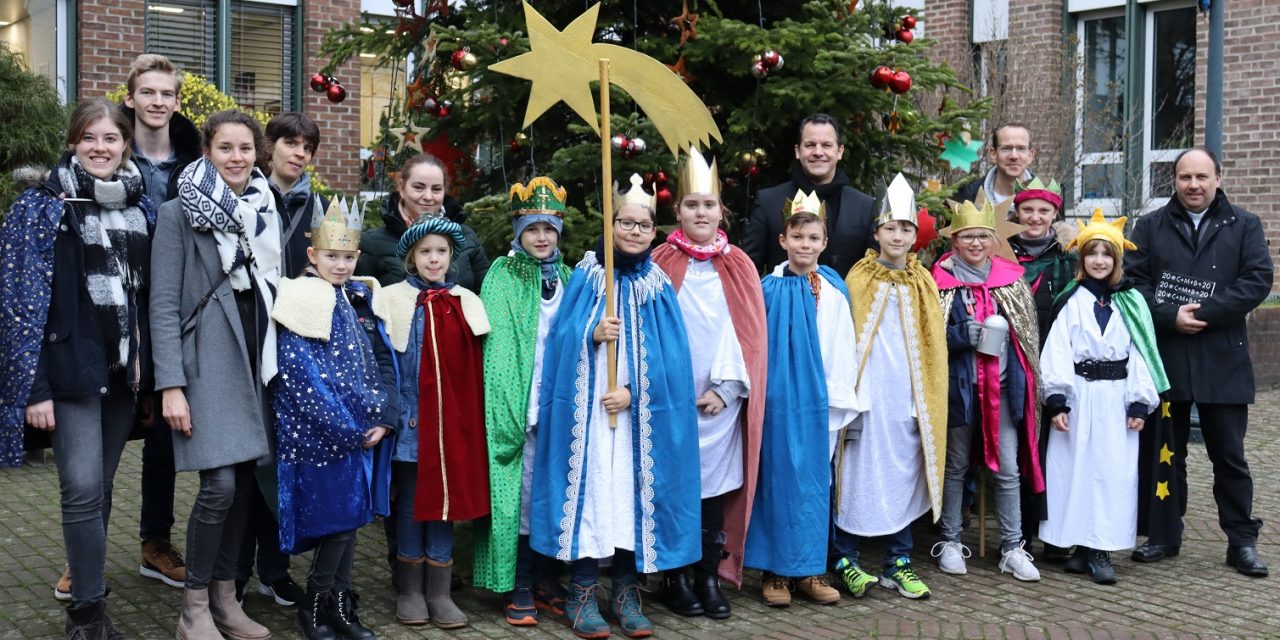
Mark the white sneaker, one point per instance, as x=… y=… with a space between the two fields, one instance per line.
x=951 y=557
x=1018 y=562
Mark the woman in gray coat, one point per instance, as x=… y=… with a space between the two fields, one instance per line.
x=216 y=260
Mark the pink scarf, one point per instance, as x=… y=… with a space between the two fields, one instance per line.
x=718 y=246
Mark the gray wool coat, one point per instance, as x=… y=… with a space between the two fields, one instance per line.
x=228 y=403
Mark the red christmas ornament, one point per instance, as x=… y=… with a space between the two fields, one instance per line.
x=319 y=82
x=336 y=93
x=429 y=105
x=664 y=197
x=661 y=177
x=771 y=59
x=905 y=36
x=619 y=142
x=908 y=22
x=648 y=177
x=881 y=76
x=444 y=108
x=751 y=171
x=758 y=70
x=463 y=60
x=926 y=229
x=901 y=82
x=503 y=41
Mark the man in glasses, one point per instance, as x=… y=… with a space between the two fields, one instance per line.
x=1010 y=155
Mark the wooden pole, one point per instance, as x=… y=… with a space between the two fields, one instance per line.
x=606 y=205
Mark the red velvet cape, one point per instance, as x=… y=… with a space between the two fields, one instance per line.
x=453 y=459
x=742 y=292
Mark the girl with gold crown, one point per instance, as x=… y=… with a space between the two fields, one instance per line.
x=888 y=472
x=628 y=490
x=723 y=306
x=810 y=396
x=1102 y=376
x=522 y=293
x=334 y=403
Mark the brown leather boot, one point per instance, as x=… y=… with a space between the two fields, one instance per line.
x=228 y=615
x=195 y=622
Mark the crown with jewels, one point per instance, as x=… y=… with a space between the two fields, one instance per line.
x=898 y=203
x=338 y=228
x=635 y=195
x=804 y=203
x=1099 y=228
x=541 y=196
x=696 y=176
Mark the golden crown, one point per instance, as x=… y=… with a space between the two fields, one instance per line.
x=541 y=195
x=696 y=176
x=804 y=203
x=339 y=228
x=1099 y=228
x=968 y=216
x=635 y=195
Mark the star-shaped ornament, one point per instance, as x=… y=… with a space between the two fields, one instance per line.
x=959 y=154
x=687 y=23
x=679 y=69
x=1164 y=410
x=406 y=137
x=416 y=94
x=932 y=185
x=438 y=7
x=1166 y=456
x=1162 y=490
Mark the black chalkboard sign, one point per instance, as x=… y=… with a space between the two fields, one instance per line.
x=1179 y=289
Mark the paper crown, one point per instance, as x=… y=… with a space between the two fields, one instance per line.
x=635 y=195
x=898 y=203
x=338 y=228
x=1099 y=228
x=804 y=203
x=541 y=196
x=968 y=216
x=1051 y=192
x=696 y=176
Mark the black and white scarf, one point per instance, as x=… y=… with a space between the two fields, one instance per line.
x=247 y=231
x=117 y=249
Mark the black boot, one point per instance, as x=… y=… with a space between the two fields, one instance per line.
x=312 y=613
x=1078 y=562
x=1100 y=567
x=706 y=579
x=677 y=592
x=87 y=621
x=342 y=617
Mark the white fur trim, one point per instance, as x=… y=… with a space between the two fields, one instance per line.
x=305 y=306
x=473 y=310
x=395 y=304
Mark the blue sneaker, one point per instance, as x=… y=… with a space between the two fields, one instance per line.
x=625 y=607
x=582 y=612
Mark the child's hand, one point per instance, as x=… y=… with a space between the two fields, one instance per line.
x=607 y=330
x=710 y=403
x=1136 y=424
x=373 y=436
x=1061 y=422
x=616 y=400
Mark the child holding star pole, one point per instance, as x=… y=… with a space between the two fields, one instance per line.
x=1102 y=375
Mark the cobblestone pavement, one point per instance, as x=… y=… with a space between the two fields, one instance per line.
x=1193 y=596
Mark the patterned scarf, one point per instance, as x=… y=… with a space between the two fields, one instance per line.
x=718 y=246
x=117 y=249
x=246 y=229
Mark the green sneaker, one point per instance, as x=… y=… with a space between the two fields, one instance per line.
x=903 y=578
x=855 y=579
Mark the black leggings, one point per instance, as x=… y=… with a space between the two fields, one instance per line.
x=331 y=564
x=217 y=523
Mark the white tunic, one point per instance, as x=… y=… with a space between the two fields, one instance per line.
x=882 y=472
x=1091 y=471
x=717 y=358
x=546 y=313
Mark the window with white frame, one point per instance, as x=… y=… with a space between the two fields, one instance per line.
x=260 y=58
x=1167 y=114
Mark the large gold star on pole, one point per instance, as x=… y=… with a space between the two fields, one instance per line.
x=1166 y=456
x=1162 y=490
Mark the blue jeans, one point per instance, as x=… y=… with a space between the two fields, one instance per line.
x=414 y=539
x=586 y=571
x=1007 y=484
x=896 y=545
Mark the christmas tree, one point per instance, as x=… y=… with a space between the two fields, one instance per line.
x=759 y=67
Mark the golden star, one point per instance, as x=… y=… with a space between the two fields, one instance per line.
x=1164 y=410
x=1166 y=456
x=560 y=65
x=1162 y=490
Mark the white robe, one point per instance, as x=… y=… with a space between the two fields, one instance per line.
x=546 y=313
x=882 y=472
x=1091 y=471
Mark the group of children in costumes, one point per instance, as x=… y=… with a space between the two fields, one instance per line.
x=708 y=453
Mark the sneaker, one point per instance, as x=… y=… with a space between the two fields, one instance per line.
x=550 y=597
x=1078 y=562
x=626 y=606
x=1100 y=567
x=582 y=612
x=161 y=561
x=776 y=590
x=62 y=590
x=284 y=591
x=903 y=578
x=951 y=557
x=520 y=609
x=1018 y=562
x=855 y=579
x=817 y=589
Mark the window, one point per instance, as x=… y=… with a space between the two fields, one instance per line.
x=1171 y=95
x=1100 y=115
x=37 y=29
x=259 y=60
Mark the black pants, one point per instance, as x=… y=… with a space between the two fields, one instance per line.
x=331 y=563
x=217 y=523
x=157 y=482
x=261 y=541
x=1223 y=426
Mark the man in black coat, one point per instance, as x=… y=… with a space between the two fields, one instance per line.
x=850 y=213
x=1203 y=265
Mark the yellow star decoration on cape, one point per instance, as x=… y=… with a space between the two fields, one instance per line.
x=1164 y=410
x=1162 y=490
x=1166 y=456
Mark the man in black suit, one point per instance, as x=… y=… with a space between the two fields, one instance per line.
x=850 y=213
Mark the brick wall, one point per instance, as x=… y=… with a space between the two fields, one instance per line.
x=111 y=35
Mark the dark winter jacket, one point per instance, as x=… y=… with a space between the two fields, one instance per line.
x=184 y=137
x=378 y=248
x=1047 y=275
x=296 y=207
x=849 y=226
x=1230 y=251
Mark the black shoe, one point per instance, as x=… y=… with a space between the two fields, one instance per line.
x=88 y=621
x=284 y=591
x=707 y=588
x=1054 y=553
x=1078 y=562
x=312 y=614
x=1100 y=567
x=677 y=592
x=342 y=616
x=1154 y=552
x=1246 y=561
